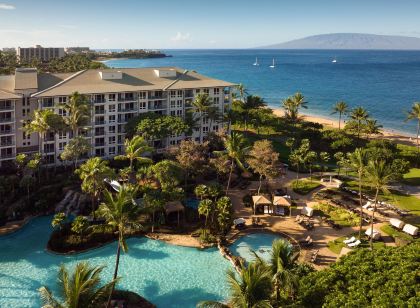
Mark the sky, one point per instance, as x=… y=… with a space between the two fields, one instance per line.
x=170 y=24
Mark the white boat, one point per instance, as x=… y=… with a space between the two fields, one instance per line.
x=273 y=65
x=256 y=62
x=334 y=60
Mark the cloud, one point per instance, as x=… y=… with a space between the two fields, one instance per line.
x=68 y=27
x=181 y=37
x=4 y=6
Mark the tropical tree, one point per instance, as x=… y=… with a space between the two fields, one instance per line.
x=378 y=175
x=251 y=288
x=78 y=111
x=414 y=114
x=357 y=161
x=27 y=182
x=292 y=104
x=192 y=157
x=339 y=157
x=241 y=91
x=121 y=213
x=168 y=173
x=93 y=172
x=250 y=106
x=263 y=159
x=299 y=156
x=201 y=191
x=372 y=127
x=290 y=143
x=58 y=220
x=79 y=226
x=153 y=201
x=341 y=108
x=204 y=208
x=237 y=152
x=81 y=288
x=358 y=115
x=310 y=158
x=39 y=124
x=324 y=158
x=134 y=149
x=201 y=105
x=74 y=150
x=224 y=214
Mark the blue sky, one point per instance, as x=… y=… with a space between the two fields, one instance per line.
x=196 y=23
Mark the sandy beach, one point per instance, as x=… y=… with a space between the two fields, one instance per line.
x=329 y=122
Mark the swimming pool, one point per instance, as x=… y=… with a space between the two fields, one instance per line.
x=259 y=242
x=192 y=203
x=167 y=275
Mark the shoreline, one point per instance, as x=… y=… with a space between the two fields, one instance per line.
x=390 y=134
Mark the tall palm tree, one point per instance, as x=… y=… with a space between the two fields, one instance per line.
x=414 y=114
x=292 y=104
x=359 y=115
x=134 y=149
x=341 y=108
x=242 y=91
x=372 y=127
x=201 y=104
x=204 y=208
x=214 y=116
x=78 y=112
x=39 y=124
x=358 y=161
x=80 y=289
x=93 y=172
x=121 y=213
x=281 y=263
x=378 y=175
x=250 y=289
x=237 y=151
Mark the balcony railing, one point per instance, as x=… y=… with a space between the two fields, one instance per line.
x=4 y=120
x=100 y=133
x=157 y=107
x=99 y=144
x=7 y=108
x=7 y=143
x=100 y=122
x=7 y=132
x=98 y=101
x=7 y=155
x=126 y=109
x=100 y=111
x=127 y=99
x=158 y=97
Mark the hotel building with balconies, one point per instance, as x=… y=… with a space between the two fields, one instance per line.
x=116 y=96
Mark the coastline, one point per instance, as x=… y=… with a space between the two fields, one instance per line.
x=390 y=134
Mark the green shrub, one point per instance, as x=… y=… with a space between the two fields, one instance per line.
x=303 y=187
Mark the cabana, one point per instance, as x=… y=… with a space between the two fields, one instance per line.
x=396 y=223
x=410 y=229
x=280 y=202
x=261 y=200
x=375 y=234
x=307 y=211
x=174 y=207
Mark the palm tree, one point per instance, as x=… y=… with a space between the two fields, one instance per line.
x=372 y=127
x=78 y=112
x=120 y=212
x=252 y=102
x=281 y=263
x=250 y=289
x=359 y=115
x=201 y=105
x=214 y=116
x=81 y=288
x=201 y=191
x=357 y=161
x=414 y=114
x=93 y=172
x=134 y=149
x=39 y=124
x=204 y=208
x=292 y=104
x=242 y=91
x=237 y=151
x=341 y=108
x=378 y=175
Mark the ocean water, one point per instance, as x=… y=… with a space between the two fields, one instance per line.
x=386 y=83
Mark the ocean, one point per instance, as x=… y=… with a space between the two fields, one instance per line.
x=386 y=83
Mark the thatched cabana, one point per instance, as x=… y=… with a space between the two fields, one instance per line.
x=280 y=201
x=174 y=207
x=264 y=201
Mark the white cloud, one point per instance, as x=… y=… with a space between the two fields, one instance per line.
x=181 y=37
x=68 y=27
x=4 y=6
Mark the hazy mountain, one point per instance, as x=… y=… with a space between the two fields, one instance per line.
x=350 y=41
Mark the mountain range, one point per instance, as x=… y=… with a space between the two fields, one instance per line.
x=350 y=41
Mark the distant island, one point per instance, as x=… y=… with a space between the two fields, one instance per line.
x=126 y=54
x=350 y=41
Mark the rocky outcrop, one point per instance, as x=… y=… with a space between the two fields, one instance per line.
x=72 y=203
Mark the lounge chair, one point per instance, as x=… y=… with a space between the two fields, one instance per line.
x=350 y=240
x=354 y=244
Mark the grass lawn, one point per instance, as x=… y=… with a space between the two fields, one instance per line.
x=388 y=229
x=340 y=216
x=336 y=245
x=303 y=187
x=412 y=177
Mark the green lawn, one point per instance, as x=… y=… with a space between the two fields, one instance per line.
x=303 y=187
x=340 y=216
x=412 y=177
x=336 y=245
x=388 y=229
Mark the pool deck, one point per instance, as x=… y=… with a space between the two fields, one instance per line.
x=13 y=226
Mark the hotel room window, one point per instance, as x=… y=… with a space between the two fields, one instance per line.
x=216 y=91
x=173 y=104
x=111 y=118
x=62 y=112
x=111 y=151
x=206 y=91
x=142 y=95
x=173 y=113
x=173 y=93
x=111 y=129
x=179 y=103
x=62 y=135
x=142 y=105
x=111 y=97
x=61 y=146
x=179 y=92
x=179 y=113
x=111 y=108
x=111 y=140
x=62 y=99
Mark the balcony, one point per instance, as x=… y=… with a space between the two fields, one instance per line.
x=7 y=132
x=99 y=111
x=100 y=133
x=7 y=108
x=189 y=94
x=126 y=109
x=127 y=99
x=100 y=122
x=6 y=120
x=7 y=156
x=99 y=144
x=99 y=101
x=157 y=107
x=7 y=143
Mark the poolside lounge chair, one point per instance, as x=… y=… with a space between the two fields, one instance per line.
x=354 y=244
x=396 y=223
x=375 y=234
x=410 y=229
x=350 y=240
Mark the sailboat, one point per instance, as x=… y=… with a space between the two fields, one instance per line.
x=334 y=60
x=273 y=65
x=256 y=62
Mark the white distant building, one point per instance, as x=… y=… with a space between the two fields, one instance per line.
x=9 y=49
x=75 y=50
x=116 y=95
x=44 y=54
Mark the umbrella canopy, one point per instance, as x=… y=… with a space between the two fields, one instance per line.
x=173 y=206
x=282 y=201
x=260 y=200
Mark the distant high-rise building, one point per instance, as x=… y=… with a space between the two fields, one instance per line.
x=9 y=49
x=73 y=50
x=44 y=54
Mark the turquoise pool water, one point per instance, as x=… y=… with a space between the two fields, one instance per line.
x=257 y=242
x=167 y=275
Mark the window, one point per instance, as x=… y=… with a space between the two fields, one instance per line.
x=173 y=104
x=62 y=112
x=62 y=135
x=100 y=152
x=111 y=151
x=47 y=102
x=216 y=127
x=216 y=100
x=179 y=103
x=111 y=98
x=206 y=91
x=48 y=148
x=111 y=108
x=61 y=146
x=142 y=95
x=111 y=118
x=179 y=113
x=172 y=142
x=62 y=99
x=142 y=105
x=111 y=129
x=111 y=140
x=179 y=93
x=23 y=112
x=172 y=112
x=205 y=129
x=205 y=120
x=173 y=93
x=216 y=91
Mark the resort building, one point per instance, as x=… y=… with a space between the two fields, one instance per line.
x=116 y=95
x=43 y=54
